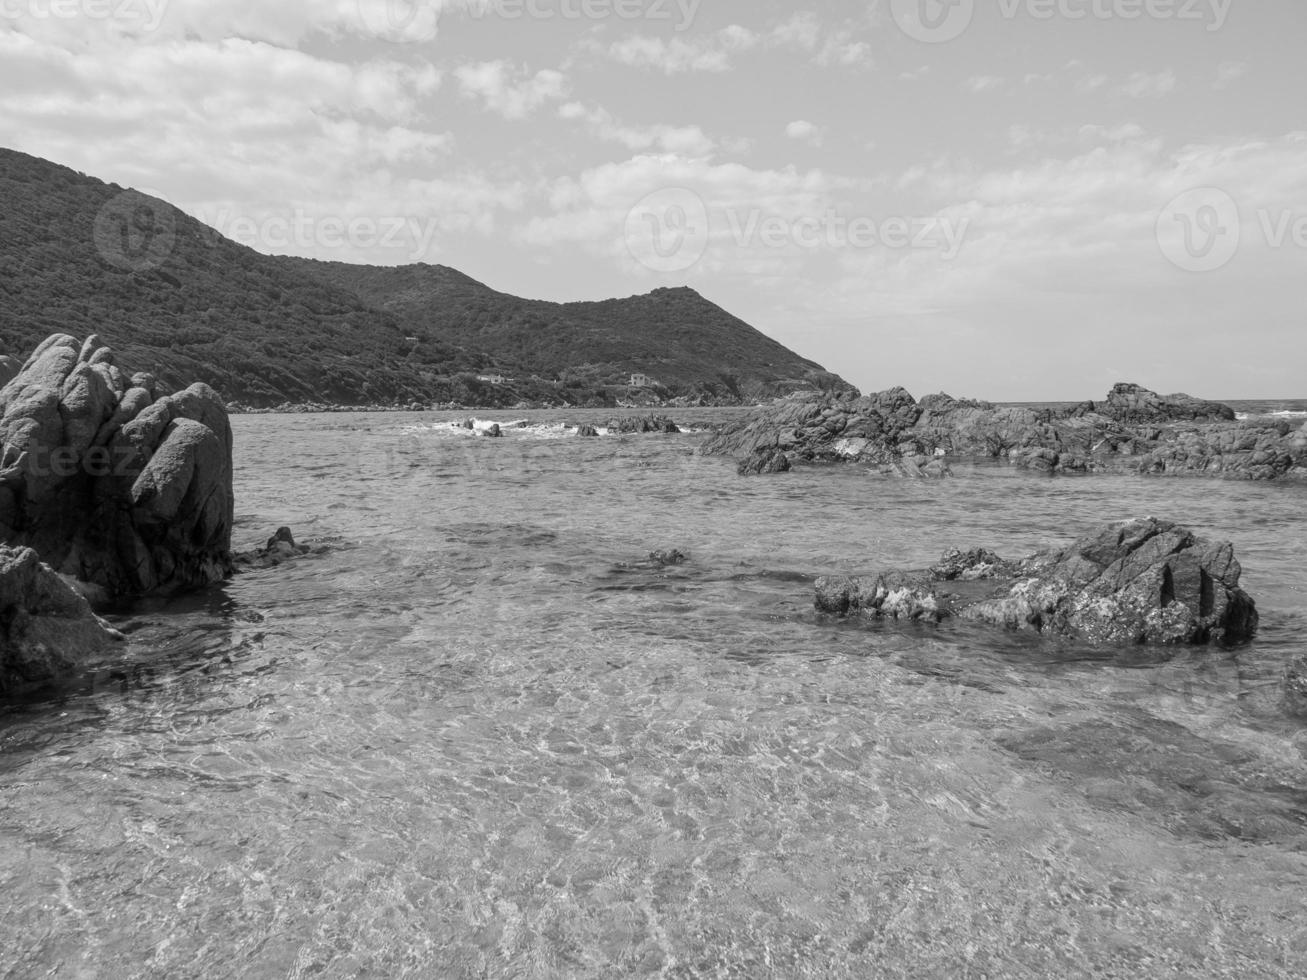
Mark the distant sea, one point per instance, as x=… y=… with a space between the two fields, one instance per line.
x=481 y=735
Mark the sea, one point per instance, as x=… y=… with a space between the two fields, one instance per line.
x=479 y=732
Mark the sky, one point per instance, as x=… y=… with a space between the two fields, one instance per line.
x=1003 y=199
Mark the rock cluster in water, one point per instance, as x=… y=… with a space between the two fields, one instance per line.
x=111 y=481
x=47 y=628
x=1144 y=581
x=644 y=424
x=1132 y=429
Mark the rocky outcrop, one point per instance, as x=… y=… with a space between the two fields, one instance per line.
x=1133 y=404
x=587 y=431
x=648 y=423
x=112 y=482
x=47 y=628
x=1143 y=581
x=764 y=461
x=1142 y=432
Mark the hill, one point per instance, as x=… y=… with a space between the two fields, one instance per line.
x=686 y=345
x=174 y=297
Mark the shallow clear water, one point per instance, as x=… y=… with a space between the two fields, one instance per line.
x=481 y=736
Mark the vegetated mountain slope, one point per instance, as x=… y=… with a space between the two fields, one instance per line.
x=680 y=340
x=174 y=297
x=76 y=257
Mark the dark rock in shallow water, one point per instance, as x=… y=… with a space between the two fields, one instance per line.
x=280 y=547
x=978 y=563
x=764 y=461
x=1144 y=581
x=110 y=485
x=47 y=628
x=1134 y=430
x=587 y=432
x=493 y=432
x=673 y=557
x=649 y=423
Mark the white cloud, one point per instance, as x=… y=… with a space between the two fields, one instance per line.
x=716 y=52
x=710 y=53
x=682 y=140
x=510 y=91
x=1142 y=85
x=982 y=83
x=805 y=132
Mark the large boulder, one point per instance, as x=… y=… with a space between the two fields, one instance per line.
x=1143 y=581
x=47 y=628
x=112 y=485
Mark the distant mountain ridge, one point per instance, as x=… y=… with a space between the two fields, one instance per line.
x=266 y=330
x=680 y=341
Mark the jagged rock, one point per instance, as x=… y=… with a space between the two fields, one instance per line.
x=1133 y=403
x=1143 y=581
x=764 y=461
x=47 y=628
x=111 y=486
x=280 y=547
x=892 y=595
x=978 y=563
x=1141 y=432
x=648 y=423
x=587 y=432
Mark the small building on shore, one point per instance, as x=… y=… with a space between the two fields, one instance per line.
x=642 y=381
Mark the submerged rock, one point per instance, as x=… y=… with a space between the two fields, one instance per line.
x=47 y=628
x=1143 y=581
x=112 y=485
x=674 y=556
x=1295 y=688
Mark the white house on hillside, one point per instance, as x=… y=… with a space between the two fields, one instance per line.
x=642 y=381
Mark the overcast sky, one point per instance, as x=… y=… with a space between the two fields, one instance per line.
x=1011 y=199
